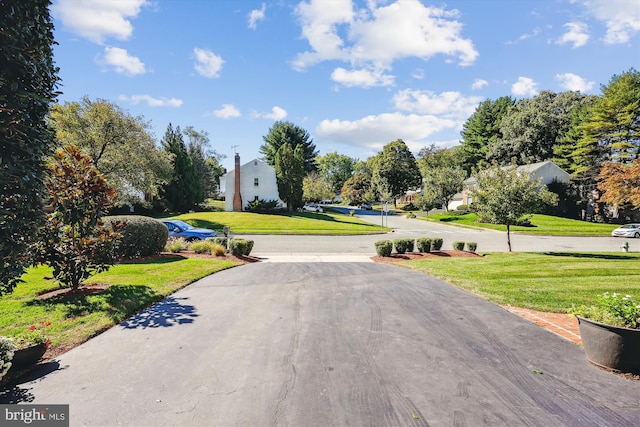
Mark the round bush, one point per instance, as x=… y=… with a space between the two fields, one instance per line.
x=237 y=247
x=436 y=244
x=384 y=247
x=472 y=246
x=142 y=236
x=458 y=246
x=201 y=247
x=249 y=247
x=403 y=245
x=424 y=244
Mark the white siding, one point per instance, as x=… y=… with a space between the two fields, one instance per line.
x=267 y=188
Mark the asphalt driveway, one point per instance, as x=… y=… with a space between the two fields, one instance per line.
x=320 y=344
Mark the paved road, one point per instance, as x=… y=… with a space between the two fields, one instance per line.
x=488 y=240
x=319 y=344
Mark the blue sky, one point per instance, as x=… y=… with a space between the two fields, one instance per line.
x=355 y=74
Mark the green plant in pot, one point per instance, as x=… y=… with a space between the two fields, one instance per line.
x=610 y=331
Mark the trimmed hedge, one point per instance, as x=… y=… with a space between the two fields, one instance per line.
x=458 y=246
x=384 y=247
x=142 y=236
x=424 y=244
x=403 y=245
x=240 y=247
x=436 y=244
x=222 y=241
x=472 y=246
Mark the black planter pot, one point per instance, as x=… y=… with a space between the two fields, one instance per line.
x=25 y=357
x=610 y=346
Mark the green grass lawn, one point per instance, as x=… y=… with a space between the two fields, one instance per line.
x=74 y=320
x=540 y=224
x=327 y=223
x=546 y=281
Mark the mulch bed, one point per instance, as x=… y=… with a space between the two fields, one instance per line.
x=394 y=258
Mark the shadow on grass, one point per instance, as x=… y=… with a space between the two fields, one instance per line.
x=202 y=223
x=117 y=301
x=589 y=255
x=168 y=312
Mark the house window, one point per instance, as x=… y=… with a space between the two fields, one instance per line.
x=256 y=182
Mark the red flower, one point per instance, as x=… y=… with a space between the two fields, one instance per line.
x=32 y=327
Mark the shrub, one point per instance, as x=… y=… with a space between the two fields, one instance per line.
x=237 y=247
x=218 y=250
x=201 y=247
x=463 y=208
x=424 y=244
x=7 y=350
x=262 y=206
x=436 y=243
x=222 y=241
x=142 y=236
x=472 y=246
x=403 y=245
x=176 y=245
x=384 y=247
x=458 y=246
x=249 y=248
x=411 y=215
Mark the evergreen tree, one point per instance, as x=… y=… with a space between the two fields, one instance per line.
x=482 y=129
x=184 y=190
x=206 y=162
x=289 y=166
x=27 y=87
x=287 y=133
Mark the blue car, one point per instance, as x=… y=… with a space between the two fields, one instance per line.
x=188 y=232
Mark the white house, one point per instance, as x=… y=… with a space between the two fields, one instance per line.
x=252 y=181
x=546 y=172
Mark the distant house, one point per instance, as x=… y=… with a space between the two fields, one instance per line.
x=546 y=172
x=252 y=181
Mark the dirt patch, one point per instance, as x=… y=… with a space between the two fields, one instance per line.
x=394 y=258
x=82 y=290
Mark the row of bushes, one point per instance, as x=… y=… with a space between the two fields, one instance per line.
x=424 y=245
x=217 y=246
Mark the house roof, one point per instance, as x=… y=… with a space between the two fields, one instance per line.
x=530 y=169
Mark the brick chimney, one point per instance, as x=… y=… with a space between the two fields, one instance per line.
x=237 y=198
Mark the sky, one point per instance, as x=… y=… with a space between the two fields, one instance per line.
x=355 y=74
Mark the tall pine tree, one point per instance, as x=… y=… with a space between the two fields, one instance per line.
x=289 y=166
x=184 y=190
x=282 y=133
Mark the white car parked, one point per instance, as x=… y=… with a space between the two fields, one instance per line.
x=627 y=230
x=312 y=208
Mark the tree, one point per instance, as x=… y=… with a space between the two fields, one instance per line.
x=395 y=170
x=357 y=190
x=443 y=183
x=289 y=175
x=120 y=145
x=432 y=157
x=532 y=129
x=285 y=132
x=27 y=87
x=504 y=195
x=183 y=191
x=335 y=169
x=316 y=188
x=481 y=129
x=620 y=183
x=206 y=162
x=74 y=241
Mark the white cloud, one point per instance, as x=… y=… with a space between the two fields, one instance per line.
x=256 y=15
x=375 y=131
x=227 y=111
x=208 y=64
x=277 y=113
x=451 y=105
x=622 y=18
x=98 y=20
x=525 y=36
x=122 y=62
x=577 y=34
x=151 y=101
x=479 y=84
x=363 y=78
x=362 y=37
x=570 y=81
x=524 y=87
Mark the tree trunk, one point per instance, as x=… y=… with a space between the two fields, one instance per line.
x=509 y=236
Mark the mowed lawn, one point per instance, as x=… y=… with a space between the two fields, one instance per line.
x=540 y=224
x=75 y=319
x=327 y=223
x=550 y=281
